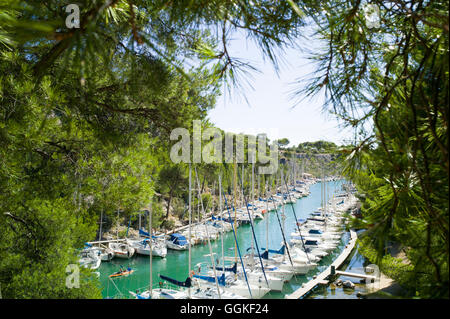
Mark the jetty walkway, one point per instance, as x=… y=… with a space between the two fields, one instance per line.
x=322 y=278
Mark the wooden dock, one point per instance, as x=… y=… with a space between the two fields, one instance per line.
x=321 y=279
x=100 y=242
x=355 y=275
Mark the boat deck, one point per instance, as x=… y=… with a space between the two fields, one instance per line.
x=321 y=278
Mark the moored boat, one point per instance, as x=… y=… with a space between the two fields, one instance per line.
x=177 y=242
x=121 y=250
x=89 y=259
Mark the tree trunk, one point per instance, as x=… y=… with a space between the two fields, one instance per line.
x=168 y=203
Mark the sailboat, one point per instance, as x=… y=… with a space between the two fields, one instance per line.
x=142 y=247
x=89 y=259
x=162 y=293
x=232 y=284
x=256 y=277
x=121 y=250
x=165 y=293
x=321 y=232
x=246 y=287
x=104 y=253
x=177 y=241
x=297 y=266
x=214 y=283
x=275 y=272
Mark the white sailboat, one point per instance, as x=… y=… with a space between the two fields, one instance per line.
x=121 y=250
x=232 y=284
x=105 y=253
x=177 y=242
x=161 y=293
x=255 y=276
x=142 y=247
x=89 y=259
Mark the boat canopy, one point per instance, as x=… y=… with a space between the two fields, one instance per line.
x=145 y=242
x=232 y=269
x=265 y=254
x=177 y=235
x=318 y=219
x=228 y=220
x=215 y=225
x=279 y=251
x=144 y=233
x=220 y=280
x=178 y=239
x=187 y=283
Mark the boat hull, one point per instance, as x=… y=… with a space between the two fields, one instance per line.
x=242 y=290
x=176 y=247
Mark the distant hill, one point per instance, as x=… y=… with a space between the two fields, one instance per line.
x=312 y=157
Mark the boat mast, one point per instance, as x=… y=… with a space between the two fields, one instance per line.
x=221 y=218
x=198 y=200
x=267 y=217
x=258 y=183
x=325 y=198
x=207 y=236
x=321 y=191
x=324 y=195
x=283 y=215
x=253 y=231
x=150 y=232
x=251 y=199
x=303 y=169
x=235 y=210
x=282 y=232
x=140 y=220
x=296 y=221
x=253 y=182
x=243 y=177
x=101 y=222
x=236 y=245
x=190 y=221
x=117 y=229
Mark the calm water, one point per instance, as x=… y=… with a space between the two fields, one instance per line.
x=175 y=265
x=355 y=263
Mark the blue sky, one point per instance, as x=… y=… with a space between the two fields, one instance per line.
x=269 y=108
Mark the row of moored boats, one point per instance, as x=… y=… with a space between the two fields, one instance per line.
x=256 y=274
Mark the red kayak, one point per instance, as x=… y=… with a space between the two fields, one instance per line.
x=122 y=273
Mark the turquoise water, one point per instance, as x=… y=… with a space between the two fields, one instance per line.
x=175 y=265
